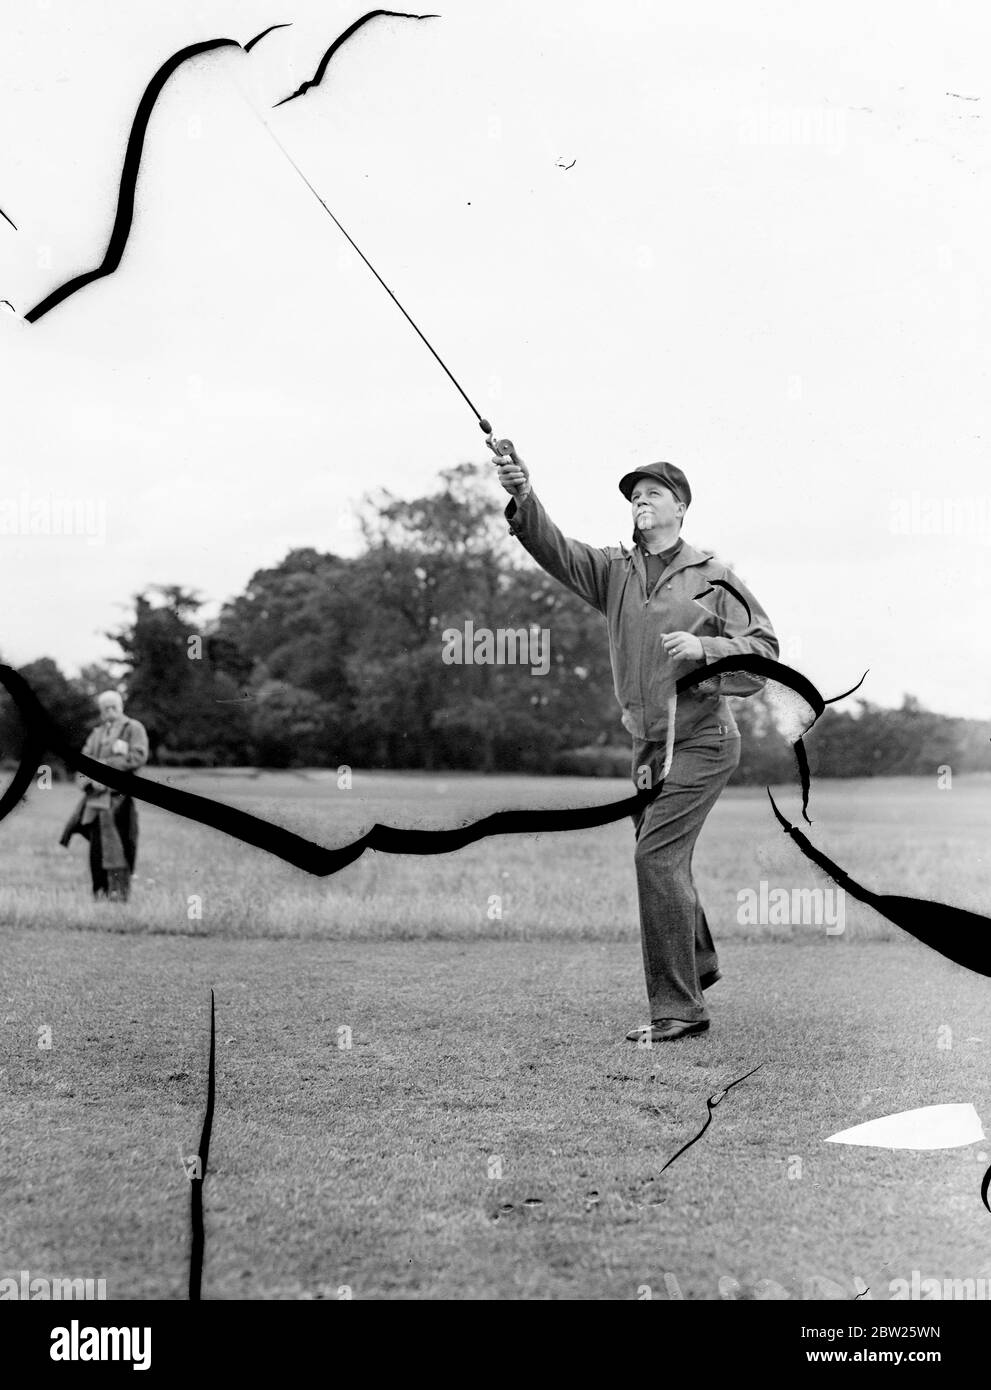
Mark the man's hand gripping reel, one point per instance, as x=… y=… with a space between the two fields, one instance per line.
x=503 y=450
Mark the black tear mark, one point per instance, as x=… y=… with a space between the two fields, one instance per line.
x=805 y=777
x=321 y=71
x=864 y=1292
x=258 y=37
x=7 y=219
x=847 y=692
x=984 y=1188
x=711 y=1104
x=196 y=1182
x=42 y=733
x=954 y=932
x=724 y=584
x=801 y=756
x=758 y=666
x=784 y=675
x=567 y=166
x=129 y=173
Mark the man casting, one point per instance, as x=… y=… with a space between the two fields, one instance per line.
x=668 y=613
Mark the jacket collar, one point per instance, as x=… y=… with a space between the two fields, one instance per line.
x=687 y=556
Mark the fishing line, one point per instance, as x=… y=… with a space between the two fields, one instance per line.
x=484 y=424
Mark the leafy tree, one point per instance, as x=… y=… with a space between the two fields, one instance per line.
x=326 y=659
x=288 y=726
x=172 y=685
x=70 y=707
x=295 y=619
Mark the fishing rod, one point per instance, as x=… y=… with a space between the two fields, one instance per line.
x=502 y=448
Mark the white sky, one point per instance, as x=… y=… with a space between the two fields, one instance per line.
x=767 y=265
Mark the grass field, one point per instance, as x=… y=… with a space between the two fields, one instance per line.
x=482 y=1044
x=896 y=835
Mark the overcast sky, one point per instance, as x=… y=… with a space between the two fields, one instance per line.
x=767 y=263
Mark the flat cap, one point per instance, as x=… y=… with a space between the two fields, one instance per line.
x=667 y=473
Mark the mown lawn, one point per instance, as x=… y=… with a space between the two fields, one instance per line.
x=368 y=1167
x=482 y=1044
x=896 y=835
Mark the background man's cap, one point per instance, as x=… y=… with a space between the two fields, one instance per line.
x=667 y=473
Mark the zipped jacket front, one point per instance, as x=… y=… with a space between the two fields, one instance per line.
x=688 y=597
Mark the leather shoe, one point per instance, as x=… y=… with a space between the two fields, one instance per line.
x=667 y=1030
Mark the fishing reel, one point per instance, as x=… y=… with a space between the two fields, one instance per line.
x=502 y=448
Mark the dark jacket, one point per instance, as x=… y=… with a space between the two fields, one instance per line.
x=614 y=581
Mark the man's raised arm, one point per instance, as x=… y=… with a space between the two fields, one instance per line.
x=582 y=568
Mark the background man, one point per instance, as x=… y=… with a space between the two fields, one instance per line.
x=667 y=614
x=109 y=819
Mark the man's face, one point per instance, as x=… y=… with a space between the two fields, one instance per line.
x=109 y=710
x=654 y=505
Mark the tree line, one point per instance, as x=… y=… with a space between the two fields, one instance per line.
x=326 y=660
